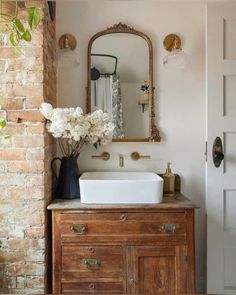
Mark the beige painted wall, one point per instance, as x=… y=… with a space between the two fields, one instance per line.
x=180 y=95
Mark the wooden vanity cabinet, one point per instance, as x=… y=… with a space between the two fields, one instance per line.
x=123 y=250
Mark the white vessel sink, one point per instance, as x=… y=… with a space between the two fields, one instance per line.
x=121 y=188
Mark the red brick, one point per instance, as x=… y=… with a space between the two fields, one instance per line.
x=35 y=282
x=36 y=129
x=34 y=233
x=34 y=180
x=35 y=154
x=33 y=103
x=26 y=269
x=12 y=155
x=29 y=141
x=26 y=193
x=20 y=116
x=14 y=129
x=11 y=257
x=7 y=52
x=26 y=167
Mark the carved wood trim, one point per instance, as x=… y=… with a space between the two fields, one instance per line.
x=154 y=133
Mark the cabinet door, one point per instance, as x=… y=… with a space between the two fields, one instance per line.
x=157 y=270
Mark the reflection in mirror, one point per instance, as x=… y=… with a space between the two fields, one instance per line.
x=120 y=82
x=117 y=75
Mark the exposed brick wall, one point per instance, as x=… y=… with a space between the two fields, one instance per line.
x=25 y=174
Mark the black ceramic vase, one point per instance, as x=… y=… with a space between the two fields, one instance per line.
x=67 y=186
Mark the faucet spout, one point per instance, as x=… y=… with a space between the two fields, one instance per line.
x=121 y=160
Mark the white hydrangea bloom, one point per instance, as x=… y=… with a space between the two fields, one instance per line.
x=77 y=129
x=47 y=110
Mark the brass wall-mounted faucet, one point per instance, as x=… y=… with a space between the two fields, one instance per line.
x=105 y=156
x=121 y=160
x=136 y=156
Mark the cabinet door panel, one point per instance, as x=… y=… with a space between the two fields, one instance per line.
x=157 y=270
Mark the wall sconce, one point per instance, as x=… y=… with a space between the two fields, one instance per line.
x=67 y=54
x=176 y=58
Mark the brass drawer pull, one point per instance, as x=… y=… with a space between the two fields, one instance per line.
x=90 y=262
x=168 y=228
x=79 y=228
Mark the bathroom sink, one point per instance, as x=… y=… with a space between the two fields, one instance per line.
x=121 y=188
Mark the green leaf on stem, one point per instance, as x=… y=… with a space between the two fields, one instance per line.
x=19 y=25
x=34 y=16
x=3 y=123
x=12 y=39
x=27 y=36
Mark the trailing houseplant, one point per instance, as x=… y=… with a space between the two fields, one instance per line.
x=16 y=29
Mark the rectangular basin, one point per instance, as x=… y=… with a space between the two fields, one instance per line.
x=121 y=188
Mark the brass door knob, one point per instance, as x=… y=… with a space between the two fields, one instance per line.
x=136 y=156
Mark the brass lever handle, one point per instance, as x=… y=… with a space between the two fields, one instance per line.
x=105 y=156
x=168 y=228
x=136 y=156
x=90 y=262
x=79 y=228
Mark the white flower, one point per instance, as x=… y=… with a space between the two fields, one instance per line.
x=47 y=110
x=76 y=129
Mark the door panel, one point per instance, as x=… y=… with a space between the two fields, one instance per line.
x=221 y=119
x=157 y=270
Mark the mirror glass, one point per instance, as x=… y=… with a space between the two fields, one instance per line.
x=120 y=69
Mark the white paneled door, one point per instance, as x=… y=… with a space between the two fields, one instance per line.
x=221 y=118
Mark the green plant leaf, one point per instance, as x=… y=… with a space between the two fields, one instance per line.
x=3 y=123
x=19 y=25
x=12 y=39
x=7 y=136
x=34 y=17
x=26 y=36
x=18 y=50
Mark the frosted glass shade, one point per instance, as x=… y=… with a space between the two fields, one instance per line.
x=176 y=59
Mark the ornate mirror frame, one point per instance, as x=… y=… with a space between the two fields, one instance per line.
x=154 y=134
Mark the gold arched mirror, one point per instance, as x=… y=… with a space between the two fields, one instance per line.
x=120 y=81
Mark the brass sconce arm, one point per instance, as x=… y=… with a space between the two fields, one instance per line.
x=136 y=156
x=105 y=156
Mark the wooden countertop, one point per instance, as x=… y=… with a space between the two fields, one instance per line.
x=179 y=201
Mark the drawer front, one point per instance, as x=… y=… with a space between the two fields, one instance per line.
x=123 y=226
x=92 y=286
x=80 y=262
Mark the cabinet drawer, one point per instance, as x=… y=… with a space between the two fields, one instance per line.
x=92 y=286
x=80 y=262
x=123 y=226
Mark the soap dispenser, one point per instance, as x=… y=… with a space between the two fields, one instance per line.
x=169 y=182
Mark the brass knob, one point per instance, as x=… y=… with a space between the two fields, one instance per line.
x=136 y=156
x=105 y=156
x=91 y=286
x=91 y=250
x=123 y=217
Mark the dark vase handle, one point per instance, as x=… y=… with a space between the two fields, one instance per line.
x=54 y=171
